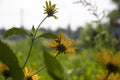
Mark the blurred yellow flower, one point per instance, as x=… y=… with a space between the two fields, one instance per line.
x=101 y=76
x=50 y=9
x=29 y=73
x=62 y=45
x=110 y=62
x=5 y=70
x=111 y=76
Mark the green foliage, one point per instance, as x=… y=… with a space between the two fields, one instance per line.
x=80 y=66
x=48 y=35
x=97 y=37
x=53 y=66
x=117 y=2
x=15 y=31
x=33 y=29
x=32 y=32
x=114 y=15
x=8 y=57
x=87 y=36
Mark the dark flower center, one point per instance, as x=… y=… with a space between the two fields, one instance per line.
x=112 y=68
x=61 y=48
x=29 y=78
x=6 y=74
x=50 y=12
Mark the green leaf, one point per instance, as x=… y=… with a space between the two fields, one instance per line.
x=48 y=35
x=9 y=58
x=54 y=67
x=33 y=29
x=15 y=31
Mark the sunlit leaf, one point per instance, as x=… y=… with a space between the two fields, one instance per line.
x=15 y=31
x=54 y=67
x=9 y=58
x=48 y=35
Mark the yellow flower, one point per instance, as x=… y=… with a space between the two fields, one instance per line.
x=111 y=76
x=62 y=44
x=101 y=76
x=5 y=70
x=111 y=63
x=29 y=73
x=50 y=9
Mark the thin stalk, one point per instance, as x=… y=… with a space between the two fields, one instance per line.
x=39 y=70
x=30 y=49
x=39 y=26
x=57 y=54
x=32 y=42
x=43 y=66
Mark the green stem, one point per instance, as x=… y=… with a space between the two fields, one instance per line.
x=39 y=70
x=57 y=54
x=43 y=66
x=28 y=53
x=39 y=26
x=33 y=39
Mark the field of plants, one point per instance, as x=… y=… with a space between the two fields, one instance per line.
x=89 y=53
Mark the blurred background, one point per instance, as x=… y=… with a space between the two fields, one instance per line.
x=92 y=24
x=30 y=12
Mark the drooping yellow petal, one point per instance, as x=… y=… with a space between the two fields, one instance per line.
x=4 y=70
x=52 y=43
x=116 y=59
x=3 y=67
x=55 y=17
x=113 y=76
x=106 y=56
x=70 y=50
x=53 y=6
x=26 y=71
x=101 y=75
x=47 y=6
x=99 y=58
x=35 y=77
x=68 y=42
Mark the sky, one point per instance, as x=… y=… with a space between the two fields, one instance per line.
x=13 y=13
